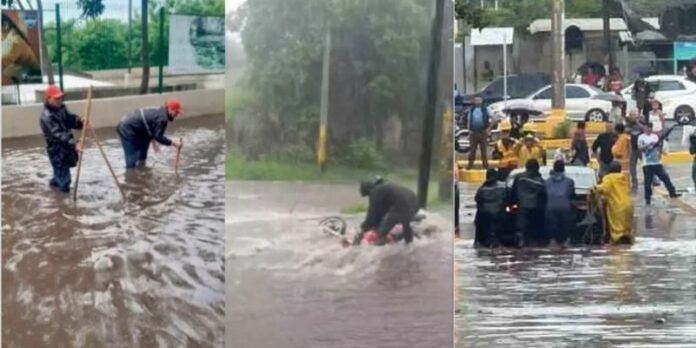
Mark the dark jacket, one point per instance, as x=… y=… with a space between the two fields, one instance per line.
x=390 y=198
x=641 y=93
x=148 y=126
x=529 y=191
x=491 y=197
x=692 y=144
x=604 y=142
x=57 y=125
x=484 y=114
x=560 y=191
x=579 y=147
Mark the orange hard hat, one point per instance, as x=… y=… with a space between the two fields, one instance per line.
x=174 y=104
x=53 y=92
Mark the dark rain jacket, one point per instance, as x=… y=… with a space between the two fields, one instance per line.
x=393 y=199
x=560 y=191
x=491 y=197
x=145 y=124
x=529 y=191
x=57 y=125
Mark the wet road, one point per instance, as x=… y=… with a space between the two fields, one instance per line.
x=289 y=286
x=631 y=296
x=100 y=273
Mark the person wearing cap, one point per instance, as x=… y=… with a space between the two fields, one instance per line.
x=490 y=211
x=57 y=123
x=530 y=148
x=529 y=194
x=560 y=191
x=504 y=149
x=143 y=126
x=389 y=205
x=619 y=206
x=649 y=146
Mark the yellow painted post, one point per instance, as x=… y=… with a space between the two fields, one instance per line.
x=324 y=108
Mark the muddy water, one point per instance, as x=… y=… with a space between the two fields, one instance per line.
x=288 y=286
x=101 y=273
x=638 y=296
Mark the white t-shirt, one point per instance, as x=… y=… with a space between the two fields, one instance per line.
x=650 y=157
x=655 y=120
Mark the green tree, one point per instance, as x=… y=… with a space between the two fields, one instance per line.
x=91 y=8
x=379 y=55
x=101 y=44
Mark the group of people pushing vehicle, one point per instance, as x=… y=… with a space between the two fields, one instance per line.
x=544 y=207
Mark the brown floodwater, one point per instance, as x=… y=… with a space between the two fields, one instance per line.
x=289 y=286
x=103 y=273
x=642 y=295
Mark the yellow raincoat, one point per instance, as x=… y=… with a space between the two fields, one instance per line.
x=616 y=189
x=524 y=153
x=622 y=151
x=509 y=158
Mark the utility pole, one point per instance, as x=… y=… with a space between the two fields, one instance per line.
x=607 y=36
x=130 y=35
x=324 y=107
x=431 y=106
x=558 y=112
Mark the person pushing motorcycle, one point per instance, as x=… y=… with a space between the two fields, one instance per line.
x=389 y=205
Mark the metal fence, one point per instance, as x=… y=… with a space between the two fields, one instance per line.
x=103 y=50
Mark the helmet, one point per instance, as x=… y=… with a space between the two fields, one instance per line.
x=367 y=185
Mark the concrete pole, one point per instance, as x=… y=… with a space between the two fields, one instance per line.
x=558 y=112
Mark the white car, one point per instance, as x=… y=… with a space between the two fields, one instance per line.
x=676 y=93
x=582 y=103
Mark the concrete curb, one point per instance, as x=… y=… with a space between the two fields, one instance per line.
x=23 y=120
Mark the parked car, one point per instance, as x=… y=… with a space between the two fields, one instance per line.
x=519 y=86
x=676 y=93
x=585 y=178
x=583 y=103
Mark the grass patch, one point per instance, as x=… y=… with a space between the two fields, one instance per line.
x=238 y=168
x=355 y=208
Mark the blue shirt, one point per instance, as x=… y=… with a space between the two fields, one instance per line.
x=476 y=118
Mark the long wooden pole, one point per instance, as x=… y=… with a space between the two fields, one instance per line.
x=88 y=109
x=108 y=164
x=178 y=155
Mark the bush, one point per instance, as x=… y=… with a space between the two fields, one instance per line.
x=562 y=130
x=362 y=154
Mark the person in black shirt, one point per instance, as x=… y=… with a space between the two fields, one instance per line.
x=601 y=147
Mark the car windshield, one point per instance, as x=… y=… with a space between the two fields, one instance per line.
x=597 y=90
x=582 y=176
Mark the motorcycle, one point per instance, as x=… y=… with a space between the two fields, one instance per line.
x=337 y=227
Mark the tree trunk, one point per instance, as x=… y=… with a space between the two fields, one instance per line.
x=46 y=64
x=145 y=82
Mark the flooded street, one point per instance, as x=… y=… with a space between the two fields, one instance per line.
x=642 y=295
x=290 y=286
x=101 y=273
